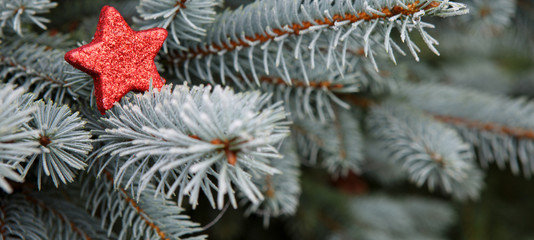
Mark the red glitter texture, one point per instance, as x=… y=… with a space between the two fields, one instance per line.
x=119 y=59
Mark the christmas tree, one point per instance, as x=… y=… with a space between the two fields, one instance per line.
x=266 y=119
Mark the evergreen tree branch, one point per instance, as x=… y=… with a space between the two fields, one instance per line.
x=61 y=217
x=281 y=191
x=378 y=167
x=315 y=100
x=43 y=70
x=490 y=16
x=63 y=141
x=431 y=153
x=317 y=217
x=310 y=30
x=350 y=140
x=15 y=136
x=68 y=220
x=338 y=142
x=506 y=138
x=308 y=91
x=172 y=138
x=154 y=218
x=49 y=39
x=139 y=210
x=15 y=12
x=184 y=19
x=367 y=13
x=17 y=220
x=519 y=133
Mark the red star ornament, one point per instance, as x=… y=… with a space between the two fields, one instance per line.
x=118 y=58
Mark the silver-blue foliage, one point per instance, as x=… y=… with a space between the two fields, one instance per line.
x=13 y=13
x=504 y=138
x=282 y=191
x=338 y=143
x=312 y=101
x=176 y=142
x=490 y=16
x=15 y=135
x=43 y=70
x=430 y=152
x=310 y=30
x=64 y=143
x=180 y=136
x=309 y=91
x=377 y=166
x=184 y=19
x=146 y=218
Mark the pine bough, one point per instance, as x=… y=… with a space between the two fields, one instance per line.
x=15 y=12
x=505 y=138
x=430 y=152
x=42 y=69
x=180 y=136
x=147 y=217
x=308 y=29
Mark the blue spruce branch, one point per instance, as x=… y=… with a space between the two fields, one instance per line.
x=64 y=220
x=184 y=19
x=171 y=136
x=43 y=70
x=430 y=152
x=13 y=13
x=264 y=28
x=15 y=136
x=505 y=138
x=281 y=191
x=337 y=143
x=151 y=218
x=18 y=221
x=64 y=143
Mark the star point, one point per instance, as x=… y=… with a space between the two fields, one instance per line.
x=118 y=58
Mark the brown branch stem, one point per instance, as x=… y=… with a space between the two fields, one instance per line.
x=517 y=132
x=137 y=208
x=296 y=28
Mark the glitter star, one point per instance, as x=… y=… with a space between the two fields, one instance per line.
x=118 y=58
